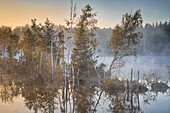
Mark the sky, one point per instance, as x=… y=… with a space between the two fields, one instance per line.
x=109 y=12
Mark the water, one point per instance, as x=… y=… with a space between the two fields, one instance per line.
x=159 y=65
x=33 y=97
x=24 y=95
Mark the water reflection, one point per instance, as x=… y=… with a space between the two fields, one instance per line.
x=57 y=97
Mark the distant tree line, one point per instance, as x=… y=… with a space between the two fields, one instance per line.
x=156 y=39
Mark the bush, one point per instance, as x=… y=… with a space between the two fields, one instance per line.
x=113 y=85
x=159 y=86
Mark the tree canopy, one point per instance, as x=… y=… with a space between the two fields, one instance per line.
x=125 y=37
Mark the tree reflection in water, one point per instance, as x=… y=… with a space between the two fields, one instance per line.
x=119 y=103
x=59 y=97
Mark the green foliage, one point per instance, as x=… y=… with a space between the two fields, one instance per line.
x=125 y=38
x=30 y=42
x=37 y=44
x=13 y=48
x=84 y=41
x=5 y=33
x=9 y=42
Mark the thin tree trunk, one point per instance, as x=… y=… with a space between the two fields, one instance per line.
x=52 y=58
x=100 y=78
x=73 y=75
x=66 y=74
x=73 y=98
x=111 y=65
x=131 y=77
x=138 y=101
x=40 y=62
x=131 y=102
x=138 y=82
x=98 y=101
x=1 y=78
x=127 y=90
x=4 y=51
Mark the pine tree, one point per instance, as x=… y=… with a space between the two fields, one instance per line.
x=5 y=33
x=28 y=44
x=85 y=43
x=50 y=37
x=13 y=48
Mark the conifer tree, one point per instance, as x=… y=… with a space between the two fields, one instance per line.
x=85 y=43
x=5 y=33
x=28 y=44
x=13 y=48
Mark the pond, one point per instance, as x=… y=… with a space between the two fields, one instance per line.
x=26 y=94
x=40 y=97
x=159 y=65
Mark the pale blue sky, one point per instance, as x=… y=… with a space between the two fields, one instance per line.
x=109 y=12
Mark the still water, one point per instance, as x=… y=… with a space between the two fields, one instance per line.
x=24 y=95
x=159 y=65
x=39 y=97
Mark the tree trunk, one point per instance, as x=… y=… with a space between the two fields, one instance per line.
x=138 y=82
x=40 y=62
x=4 y=51
x=131 y=77
x=52 y=58
x=127 y=90
x=111 y=65
x=73 y=75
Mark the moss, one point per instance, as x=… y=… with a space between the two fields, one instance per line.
x=113 y=85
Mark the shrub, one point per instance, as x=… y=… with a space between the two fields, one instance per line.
x=113 y=85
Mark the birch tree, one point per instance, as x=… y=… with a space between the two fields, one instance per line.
x=125 y=37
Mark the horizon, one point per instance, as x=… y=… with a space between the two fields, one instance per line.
x=19 y=13
x=143 y=25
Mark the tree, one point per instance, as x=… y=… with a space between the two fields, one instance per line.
x=42 y=47
x=125 y=37
x=13 y=47
x=69 y=29
x=60 y=46
x=50 y=37
x=28 y=44
x=85 y=43
x=5 y=33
